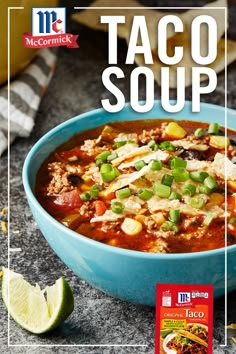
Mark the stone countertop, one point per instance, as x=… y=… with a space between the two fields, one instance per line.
x=98 y=319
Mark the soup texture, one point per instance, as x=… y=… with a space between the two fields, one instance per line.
x=159 y=186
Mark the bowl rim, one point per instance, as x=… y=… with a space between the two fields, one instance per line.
x=124 y=252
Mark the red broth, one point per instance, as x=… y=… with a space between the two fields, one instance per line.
x=73 y=188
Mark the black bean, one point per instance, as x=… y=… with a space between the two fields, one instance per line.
x=232 y=142
x=193 y=154
x=221 y=133
x=75 y=179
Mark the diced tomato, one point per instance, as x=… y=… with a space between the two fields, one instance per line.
x=69 y=199
x=231 y=201
x=216 y=198
x=69 y=153
x=232 y=185
x=100 y=207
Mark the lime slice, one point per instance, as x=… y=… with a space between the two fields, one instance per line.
x=34 y=309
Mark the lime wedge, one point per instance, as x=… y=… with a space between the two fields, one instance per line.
x=36 y=310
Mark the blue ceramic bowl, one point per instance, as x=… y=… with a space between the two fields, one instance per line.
x=125 y=274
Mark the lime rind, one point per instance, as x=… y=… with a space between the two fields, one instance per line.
x=36 y=310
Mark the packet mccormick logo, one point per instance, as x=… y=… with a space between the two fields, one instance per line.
x=49 y=29
x=184 y=298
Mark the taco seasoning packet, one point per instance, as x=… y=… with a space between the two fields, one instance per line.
x=184 y=319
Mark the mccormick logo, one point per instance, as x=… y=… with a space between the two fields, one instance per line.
x=184 y=298
x=49 y=29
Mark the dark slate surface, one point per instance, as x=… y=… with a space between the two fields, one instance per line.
x=98 y=318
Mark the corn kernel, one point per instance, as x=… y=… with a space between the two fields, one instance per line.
x=140 y=218
x=158 y=218
x=174 y=130
x=84 y=187
x=219 y=141
x=131 y=227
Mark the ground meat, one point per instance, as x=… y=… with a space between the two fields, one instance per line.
x=231 y=151
x=153 y=228
x=92 y=147
x=87 y=210
x=158 y=246
x=148 y=135
x=186 y=223
x=63 y=176
x=192 y=138
x=150 y=223
x=109 y=226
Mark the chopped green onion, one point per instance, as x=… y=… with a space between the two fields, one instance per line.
x=108 y=172
x=208 y=219
x=103 y=156
x=199 y=133
x=167 y=180
x=97 y=186
x=198 y=176
x=118 y=144
x=151 y=144
x=169 y=226
x=123 y=193
x=213 y=128
x=190 y=189
x=156 y=147
x=156 y=165
x=210 y=182
x=99 y=162
x=197 y=202
x=180 y=174
x=85 y=196
x=117 y=207
x=139 y=165
x=232 y=220
x=174 y=195
x=94 y=192
x=166 y=145
x=204 y=189
x=95 y=189
x=161 y=190
x=106 y=167
x=145 y=194
x=112 y=156
x=174 y=215
x=176 y=162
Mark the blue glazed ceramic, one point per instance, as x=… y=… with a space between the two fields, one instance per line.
x=128 y=275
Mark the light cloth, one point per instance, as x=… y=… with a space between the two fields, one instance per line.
x=26 y=91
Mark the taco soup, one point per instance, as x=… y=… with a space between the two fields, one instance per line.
x=148 y=185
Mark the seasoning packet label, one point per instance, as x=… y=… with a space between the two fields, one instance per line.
x=184 y=319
